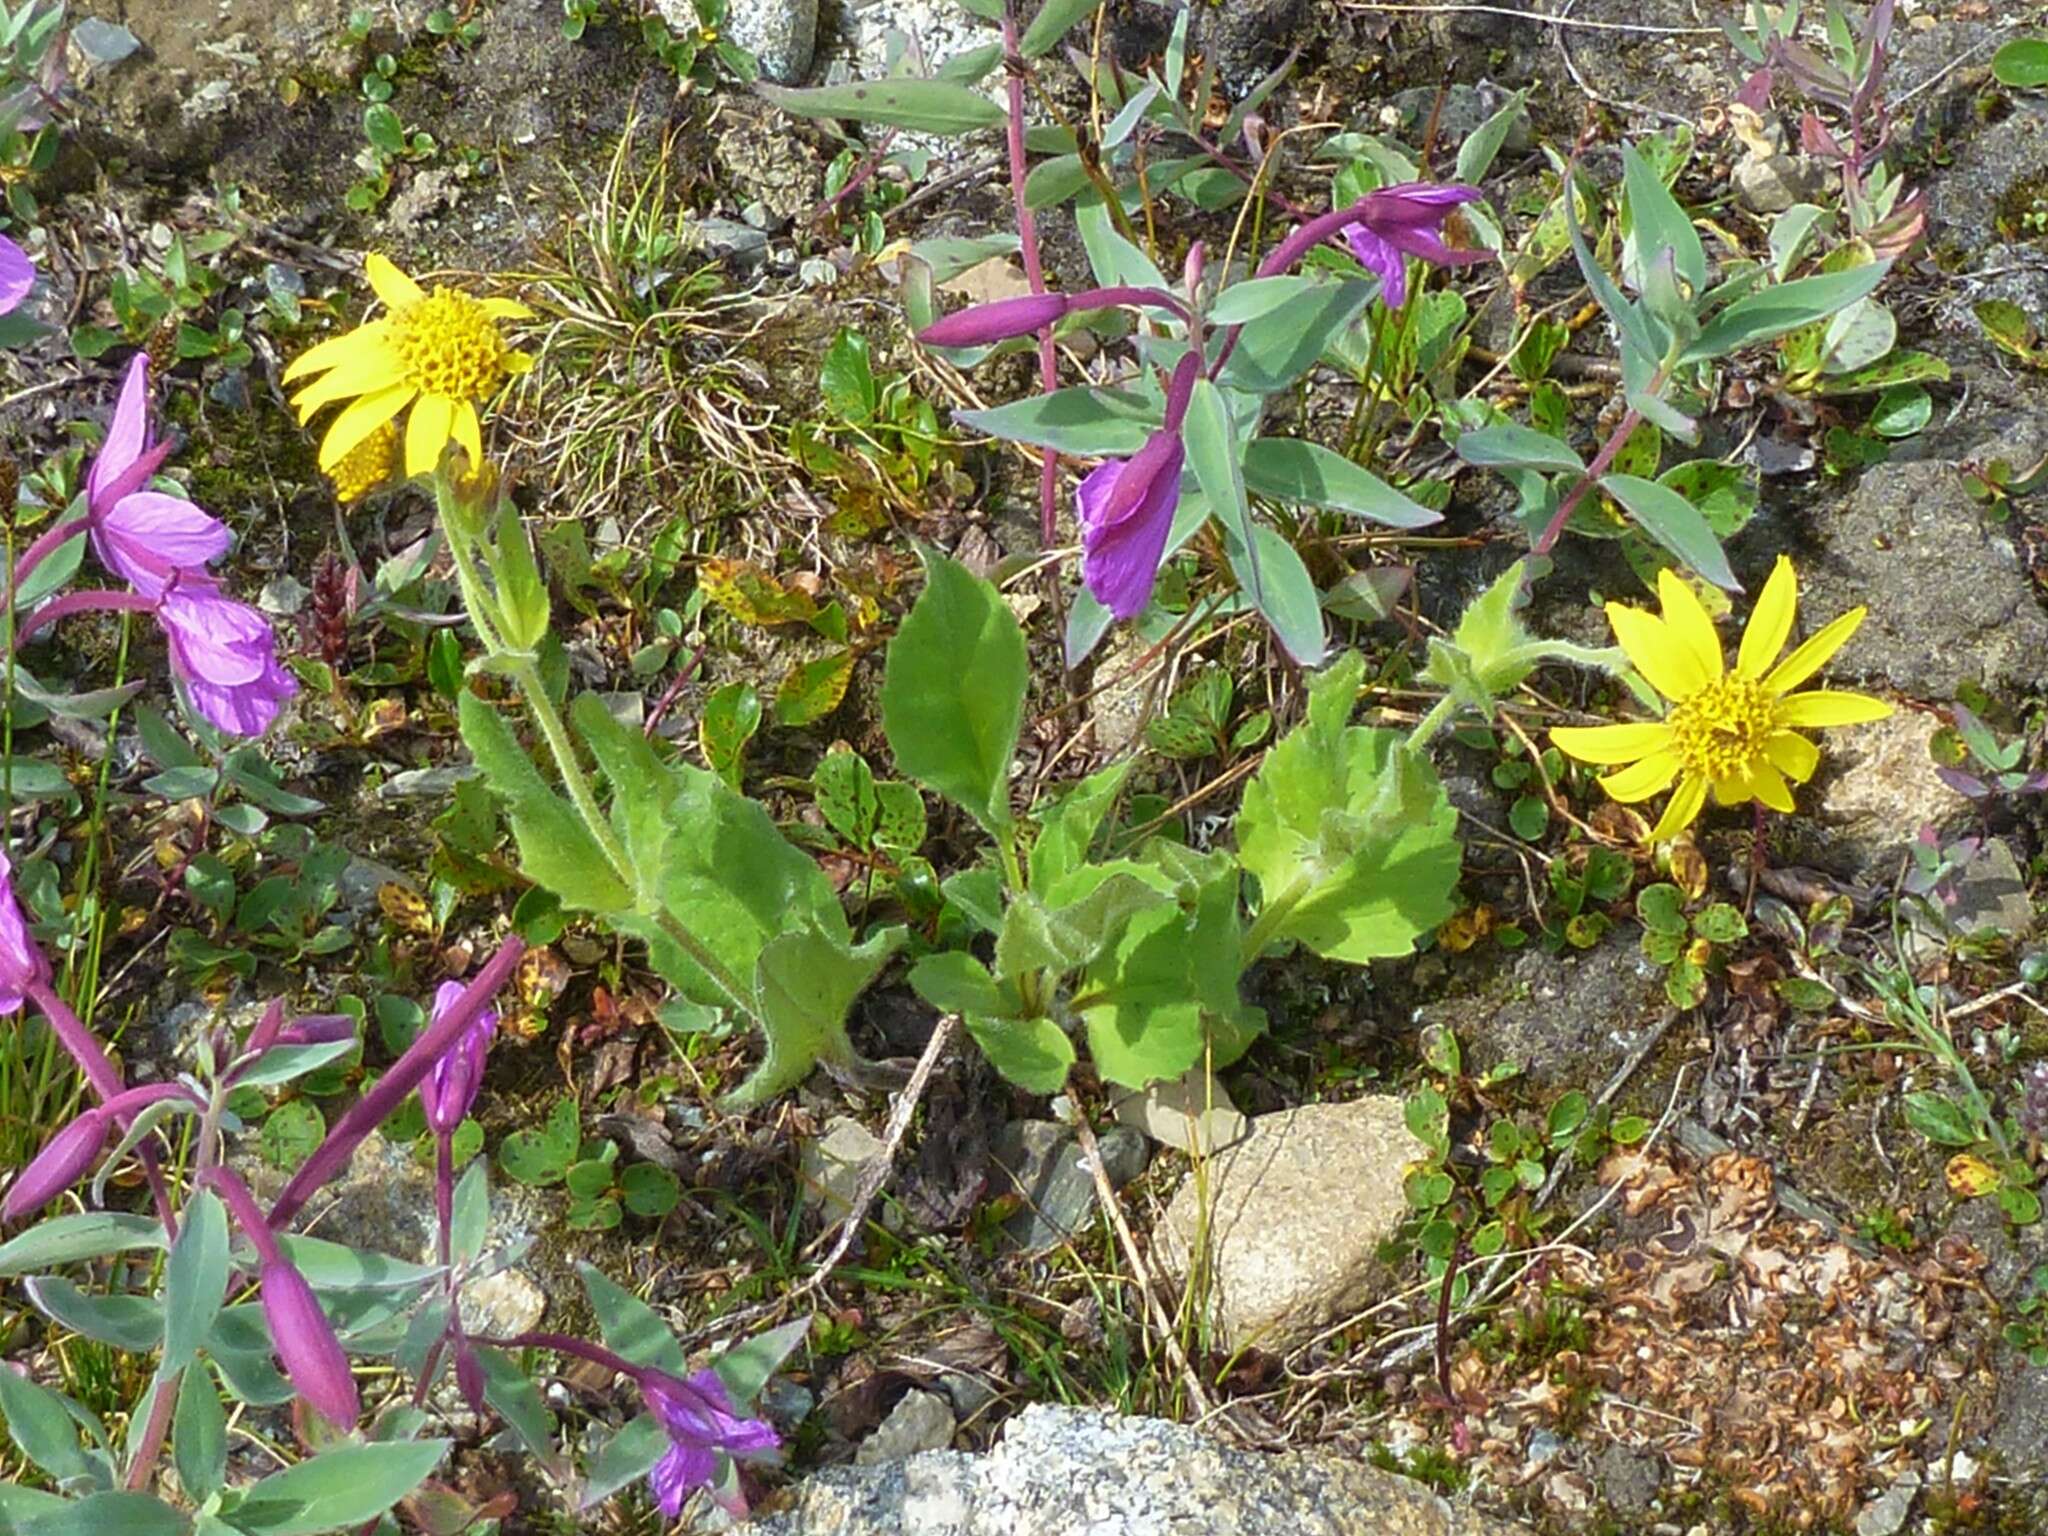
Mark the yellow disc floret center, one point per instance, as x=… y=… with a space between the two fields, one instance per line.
x=448 y=346
x=1720 y=731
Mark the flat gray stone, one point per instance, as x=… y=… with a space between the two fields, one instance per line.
x=1078 y=1472
x=1991 y=897
x=1296 y=1212
x=834 y=1164
x=921 y=1421
x=1877 y=790
x=1191 y=1114
x=782 y=35
x=1040 y=1161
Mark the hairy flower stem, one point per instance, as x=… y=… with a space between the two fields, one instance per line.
x=1014 y=69
x=404 y=1075
x=564 y=1344
x=92 y=601
x=1602 y=462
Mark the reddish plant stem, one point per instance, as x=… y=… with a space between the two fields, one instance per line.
x=1034 y=266
x=48 y=544
x=1616 y=441
x=82 y=602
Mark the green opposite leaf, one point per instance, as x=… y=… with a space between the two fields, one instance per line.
x=1052 y=182
x=341 y=1487
x=1660 y=223
x=805 y=981
x=1090 y=423
x=555 y=849
x=1035 y=1054
x=240 y=1350
x=2022 y=64
x=103 y=1514
x=1276 y=349
x=1067 y=828
x=631 y=1327
x=953 y=981
x=746 y=1367
x=134 y=1323
x=1508 y=446
x=1674 y=523
x=1052 y=22
x=195 y=1278
x=1255 y=297
x=1212 y=449
x=1350 y=831
x=625 y=1458
x=67 y=1239
x=953 y=691
x=927 y=106
x=43 y=1428
x=1307 y=474
x=1786 y=307
x=337 y=1267
x=1629 y=320
x=199 y=1436
x=1284 y=593
x=514 y=1397
x=19 y=1505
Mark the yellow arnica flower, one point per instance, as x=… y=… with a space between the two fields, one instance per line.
x=1735 y=733
x=366 y=466
x=437 y=352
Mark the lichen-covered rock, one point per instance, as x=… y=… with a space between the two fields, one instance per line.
x=782 y=35
x=1294 y=1214
x=1879 y=789
x=1078 y=1472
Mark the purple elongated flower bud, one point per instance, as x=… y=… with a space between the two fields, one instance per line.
x=22 y=966
x=983 y=325
x=264 y=1035
x=318 y=1029
x=17 y=275
x=450 y=1088
x=64 y=1160
x=306 y=1347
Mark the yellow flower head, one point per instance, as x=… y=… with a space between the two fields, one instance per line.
x=366 y=466
x=1731 y=732
x=439 y=353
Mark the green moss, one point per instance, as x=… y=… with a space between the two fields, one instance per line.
x=2023 y=208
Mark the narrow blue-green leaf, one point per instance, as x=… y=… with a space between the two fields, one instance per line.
x=1212 y=449
x=1054 y=181
x=134 y=1323
x=971 y=66
x=1112 y=258
x=109 y=1514
x=336 y=1266
x=1510 y=446
x=199 y=1435
x=1628 y=319
x=337 y=1488
x=1674 y=523
x=746 y=1367
x=42 y=1428
x=1087 y=622
x=1767 y=315
x=515 y=1399
x=631 y=1327
x=282 y=1063
x=1476 y=155
x=625 y=1458
x=1126 y=121
x=953 y=691
x=927 y=106
x=1285 y=595
x=1256 y=296
x=1090 y=423
x=67 y=1239
x=1276 y=349
x=19 y=1505
x=1052 y=22
x=1660 y=223
x=1288 y=469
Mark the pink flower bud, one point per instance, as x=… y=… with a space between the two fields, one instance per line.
x=306 y=1346
x=64 y=1160
x=983 y=325
x=450 y=1088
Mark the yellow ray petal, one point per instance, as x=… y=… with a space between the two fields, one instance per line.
x=1683 y=806
x=338 y=350
x=1827 y=706
x=1793 y=754
x=1688 y=621
x=1768 y=785
x=363 y=374
x=469 y=433
x=1605 y=744
x=392 y=286
x=507 y=309
x=517 y=363
x=1770 y=621
x=1812 y=653
x=1732 y=790
x=426 y=433
x=362 y=418
x=1670 y=665
x=1651 y=776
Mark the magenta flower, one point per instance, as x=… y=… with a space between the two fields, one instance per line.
x=983 y=325
x=225 y=653
x=306 y=1347
x=143 y=536
x=1126 y=508
x=62 y=1163
x=701 y=1421
x=450 y=1088
x=1397 y=222
x=22 y=966
x=17 y=275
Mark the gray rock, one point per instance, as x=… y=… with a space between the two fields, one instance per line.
x=1193 y=1113
x=1465 y=108
x=425 y=783
x=1629 y=1480
x=1879 y=789
x=727 y=240
x=1991 y=897
x=2019 y=1424
x=1040 y=1161
x=782 y=35
x=1948 y=599
x=1565 y=1020
x=1884 y=1515
x=922 y=1421
x=834 y=1165
x=1076 y=1472
x=1247 y=38
x=98 y=44
x=1775 y=182
x=1295 y=1213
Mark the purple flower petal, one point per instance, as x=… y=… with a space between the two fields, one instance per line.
x=21 y=962
x=700 y=1420
x=146 y=537
x=450 y=1088
x=306 y=1346
x=982 y=325
x=17 y=275
x=1120 y=557
x=128 y=434
x=1383 y=261
x=684 y=1467
x=225 y=654
x=1413 y=203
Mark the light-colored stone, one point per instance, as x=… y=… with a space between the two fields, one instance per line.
x=1080 y=1472
x=834 y=1164
x=1295 y=1212
x=1191 y=1114
x=780 y=34
x=1882 y=790
x=1886 y=1514
x=922 y=1421
x=1991 y=897
x=1774 y=183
